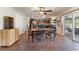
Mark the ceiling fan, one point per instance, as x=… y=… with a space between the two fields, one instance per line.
x=42 y=10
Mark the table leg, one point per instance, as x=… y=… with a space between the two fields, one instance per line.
x=32 y=37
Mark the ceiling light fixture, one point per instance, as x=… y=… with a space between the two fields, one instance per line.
x=41 y=12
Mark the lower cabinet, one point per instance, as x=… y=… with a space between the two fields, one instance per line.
x=8 y=37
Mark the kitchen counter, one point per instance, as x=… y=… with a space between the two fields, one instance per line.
x=8 y=36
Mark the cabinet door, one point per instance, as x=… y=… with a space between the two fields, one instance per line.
x=3 y=39
x=16 y=34
x=0 y=38
x=11 y=24
x=8 y=22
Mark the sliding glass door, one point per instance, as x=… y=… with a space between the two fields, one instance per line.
x=76 y=27
x=71 y=26
x=68 y=23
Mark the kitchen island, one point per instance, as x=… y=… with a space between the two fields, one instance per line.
x=8 y=36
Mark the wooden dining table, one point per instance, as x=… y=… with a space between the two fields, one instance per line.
x=36 y=30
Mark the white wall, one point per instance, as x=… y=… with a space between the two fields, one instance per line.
x=18 y=18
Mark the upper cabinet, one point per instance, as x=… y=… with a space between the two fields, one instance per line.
x=8 y=22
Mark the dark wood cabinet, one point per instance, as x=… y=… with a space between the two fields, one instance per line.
x=8 y=22
x=38 y=23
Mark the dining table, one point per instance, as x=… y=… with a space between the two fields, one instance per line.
x=34 y=31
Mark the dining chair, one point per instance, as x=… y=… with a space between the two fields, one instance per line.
x=53 y=32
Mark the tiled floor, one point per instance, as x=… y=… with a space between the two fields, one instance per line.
x=70 y=45
x=44 y=45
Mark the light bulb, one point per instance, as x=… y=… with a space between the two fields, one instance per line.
x=41 y=12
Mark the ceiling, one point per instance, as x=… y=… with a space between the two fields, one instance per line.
x=28 y=11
